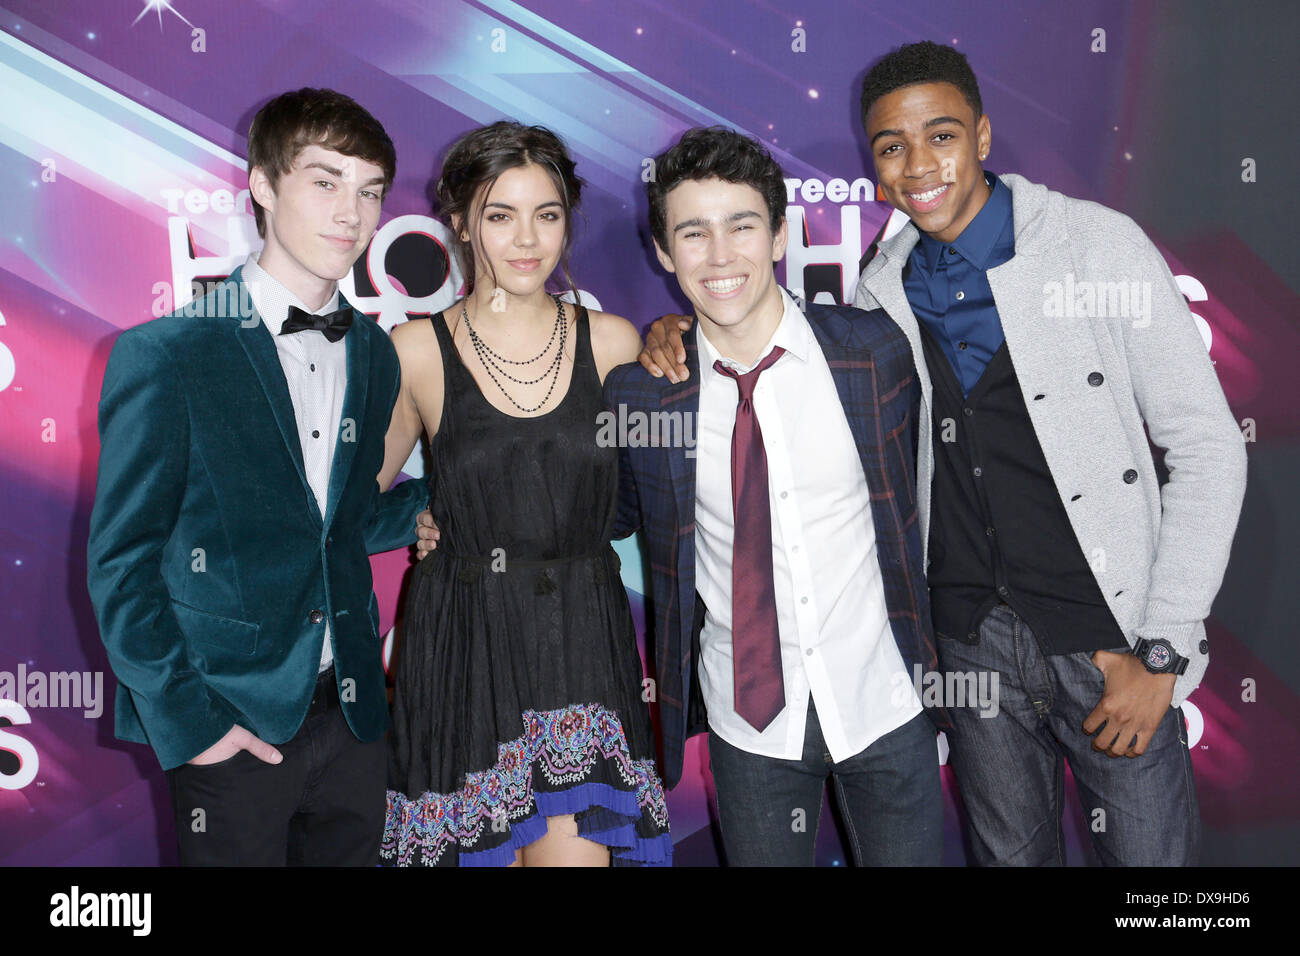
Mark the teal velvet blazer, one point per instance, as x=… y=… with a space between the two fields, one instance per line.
x=210 y=567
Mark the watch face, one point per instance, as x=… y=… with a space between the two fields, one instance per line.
x=1158 y=656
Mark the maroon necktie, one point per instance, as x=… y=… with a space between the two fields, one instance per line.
x=755 y=639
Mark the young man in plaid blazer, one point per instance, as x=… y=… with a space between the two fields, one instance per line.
x=776 y=486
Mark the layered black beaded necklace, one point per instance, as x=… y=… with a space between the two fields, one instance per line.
x=492 y=360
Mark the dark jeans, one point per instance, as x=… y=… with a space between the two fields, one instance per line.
x=323 y=805
x=888 y=794
x=1140 y=811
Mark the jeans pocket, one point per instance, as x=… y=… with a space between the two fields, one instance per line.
x=1089 y=665
x=217 y=764
x=956 y=654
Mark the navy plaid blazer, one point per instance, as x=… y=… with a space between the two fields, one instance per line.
x=871 y=363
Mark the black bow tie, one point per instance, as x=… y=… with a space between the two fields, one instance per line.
x=332 y=325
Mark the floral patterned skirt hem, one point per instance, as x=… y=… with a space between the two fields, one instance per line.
x=574 y=760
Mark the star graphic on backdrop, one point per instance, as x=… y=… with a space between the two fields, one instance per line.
x=159 y=6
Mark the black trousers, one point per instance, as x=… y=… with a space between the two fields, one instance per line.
x=323 y=805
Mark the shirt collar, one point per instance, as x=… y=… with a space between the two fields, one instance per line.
x=272 y=299
x=979 y=240
x=792 y=333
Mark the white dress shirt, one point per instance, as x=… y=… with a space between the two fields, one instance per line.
x=836 y=641
x=316 y=371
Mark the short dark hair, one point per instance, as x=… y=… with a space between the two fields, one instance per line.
x=292 y=121
x=923 y=62
x=714 y=152
x=477 y=160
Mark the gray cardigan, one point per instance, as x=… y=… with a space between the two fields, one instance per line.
x=1158 y=553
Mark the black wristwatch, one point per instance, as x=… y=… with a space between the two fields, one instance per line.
x=1159 y=656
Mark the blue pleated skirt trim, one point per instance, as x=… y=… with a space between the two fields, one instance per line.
x=574 y=760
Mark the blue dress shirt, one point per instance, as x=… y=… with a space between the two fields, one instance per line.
x=947 y=286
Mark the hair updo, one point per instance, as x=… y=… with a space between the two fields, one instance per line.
x=477 y=160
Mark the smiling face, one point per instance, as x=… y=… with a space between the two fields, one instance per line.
x=517 y=230
x=319 y=218
x=721 y=248
x=927 y=145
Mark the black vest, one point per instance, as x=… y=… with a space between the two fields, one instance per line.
x=998 y=530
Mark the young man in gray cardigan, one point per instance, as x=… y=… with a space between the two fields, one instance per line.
x=1047 y=331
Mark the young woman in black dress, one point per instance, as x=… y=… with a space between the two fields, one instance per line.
x=519 y=734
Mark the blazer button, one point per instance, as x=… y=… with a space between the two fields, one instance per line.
x=316 y=616
x=1130 y=476
x=1095 y=379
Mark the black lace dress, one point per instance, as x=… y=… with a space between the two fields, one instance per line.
x=518 y=684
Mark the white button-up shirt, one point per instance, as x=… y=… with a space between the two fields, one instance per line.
x=316 y=371
x=836 y=641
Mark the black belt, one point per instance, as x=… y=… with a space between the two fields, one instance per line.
x=326 y=695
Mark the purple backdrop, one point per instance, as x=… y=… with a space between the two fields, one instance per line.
x=121 y=170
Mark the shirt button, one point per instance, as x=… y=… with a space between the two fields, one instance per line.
x=1003 y=590
x=952 y=250
x=960 y=296
x=968 y=411
x=316 y=616
x=809 y=652
x=315 y=433
x=1130 y=476
x=989 y=532
x=313 y=366
x=795 y=548
x=803 y=600
x=785 y=494
x=962 y=346
x=1095 y=379
x=977 y=471
x=1205 y=647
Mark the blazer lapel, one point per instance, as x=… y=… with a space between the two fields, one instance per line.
x=886 y=286
x=354 y=410
x=260 y=348
x=848 y=359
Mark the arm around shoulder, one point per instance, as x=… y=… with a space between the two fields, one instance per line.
x=614 y=341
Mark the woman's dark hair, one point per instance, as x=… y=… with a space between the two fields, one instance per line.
x=923 y=62
x=477 y=160
x=292 y=121
x=714 y=152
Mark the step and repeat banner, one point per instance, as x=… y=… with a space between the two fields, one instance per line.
x=123 y=185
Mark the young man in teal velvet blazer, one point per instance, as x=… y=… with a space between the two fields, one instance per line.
x=236 y=507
